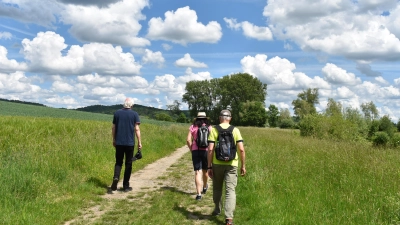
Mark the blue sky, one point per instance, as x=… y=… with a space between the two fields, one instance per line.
x=65 y=53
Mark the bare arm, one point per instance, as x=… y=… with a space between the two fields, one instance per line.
x=210 y=158
x=137 y=132
x=242 y=154
x=113 y=134
x=189 y=140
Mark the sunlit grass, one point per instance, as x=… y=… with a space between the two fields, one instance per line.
x=52 y=167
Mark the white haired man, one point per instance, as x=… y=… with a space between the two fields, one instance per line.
x=225 y=171
x=125 y=125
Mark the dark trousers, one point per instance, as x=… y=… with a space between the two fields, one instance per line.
x=120 y=152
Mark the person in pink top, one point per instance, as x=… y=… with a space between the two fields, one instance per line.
x=199 y=155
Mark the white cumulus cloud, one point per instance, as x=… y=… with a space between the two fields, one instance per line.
x=188 y=61
x=250 y=30
x=44 y=54
x=182 y=27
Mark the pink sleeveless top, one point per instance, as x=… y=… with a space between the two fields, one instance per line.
x=193 y=131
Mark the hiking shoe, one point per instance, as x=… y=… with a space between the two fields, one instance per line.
x=114 y=184
x=216 y=212
x=229 y=222
x=205 y=189
x=198 y=197
x=126 y=189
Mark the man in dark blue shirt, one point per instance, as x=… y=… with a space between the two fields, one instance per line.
x=125 y=125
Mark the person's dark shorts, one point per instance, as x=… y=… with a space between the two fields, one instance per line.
x=199 y=159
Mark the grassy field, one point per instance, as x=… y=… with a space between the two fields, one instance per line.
x=52 y=166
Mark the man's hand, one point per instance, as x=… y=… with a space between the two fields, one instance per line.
x=210 y=173
x=114 y=143
x=243 y=171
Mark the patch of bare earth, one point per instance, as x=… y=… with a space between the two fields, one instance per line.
x=153 y=177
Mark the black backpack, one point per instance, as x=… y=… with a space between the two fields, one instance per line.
x=202 y=136
x=225 y=149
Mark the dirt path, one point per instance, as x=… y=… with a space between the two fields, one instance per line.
x=145 y=180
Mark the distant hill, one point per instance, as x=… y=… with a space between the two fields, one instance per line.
x=143 y=111
x=149 y=112
x=18 y=101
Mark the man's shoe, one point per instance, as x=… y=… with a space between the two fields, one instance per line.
x=229 y=222
x=114 y=184
x=205 y=189
x=198 y=197
x=126 y=189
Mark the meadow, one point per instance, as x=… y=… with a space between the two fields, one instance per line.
x=53 y=166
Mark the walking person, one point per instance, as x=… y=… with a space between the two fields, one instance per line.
x=198 y=146
x=125 y=126
x=225 y=169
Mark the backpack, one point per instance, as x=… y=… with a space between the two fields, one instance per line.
x=225 y=149
x=202 y=136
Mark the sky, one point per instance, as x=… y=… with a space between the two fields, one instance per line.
x=72 y=53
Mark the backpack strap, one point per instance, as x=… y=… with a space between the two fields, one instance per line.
x=219 y=128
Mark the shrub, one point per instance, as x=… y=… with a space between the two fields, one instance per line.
x=395 y=140
x=380 y=138
x=332 y=127
x=164 y=117
x=286 y=123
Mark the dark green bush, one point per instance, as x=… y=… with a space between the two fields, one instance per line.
x=395 y=140
x=286 y=124
x=380 y=139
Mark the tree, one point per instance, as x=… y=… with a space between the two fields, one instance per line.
x=200 y=96
x=175 y=108
x=305 y=103
x=253 y=114
x=370 y=111
x=398 y=125
x=386 y=125
x=285 y=120
x=182 y=118
x=163 y=117
x=333 y=108
x=272 y=115
x=239 y=88
x=284 y=114
x=228 y=92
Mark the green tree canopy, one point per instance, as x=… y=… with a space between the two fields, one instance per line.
x=305 y=102
x=273 y=115
x=228 y=92
x=333 y=108
x=370 y=111
x=175 y=108
x=253 y=114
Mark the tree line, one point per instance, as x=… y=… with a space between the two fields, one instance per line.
x=245 y=96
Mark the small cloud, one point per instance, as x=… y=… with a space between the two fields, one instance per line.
x=250 y=30
x=187 y=61
x=166 y=47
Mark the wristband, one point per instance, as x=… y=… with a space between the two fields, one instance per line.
x=209 y=168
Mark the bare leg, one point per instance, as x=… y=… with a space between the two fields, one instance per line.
x=198 y=181
x=205 y=179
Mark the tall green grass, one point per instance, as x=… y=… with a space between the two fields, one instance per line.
x=50 y=168
x=290 y=180
x=297 y=180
